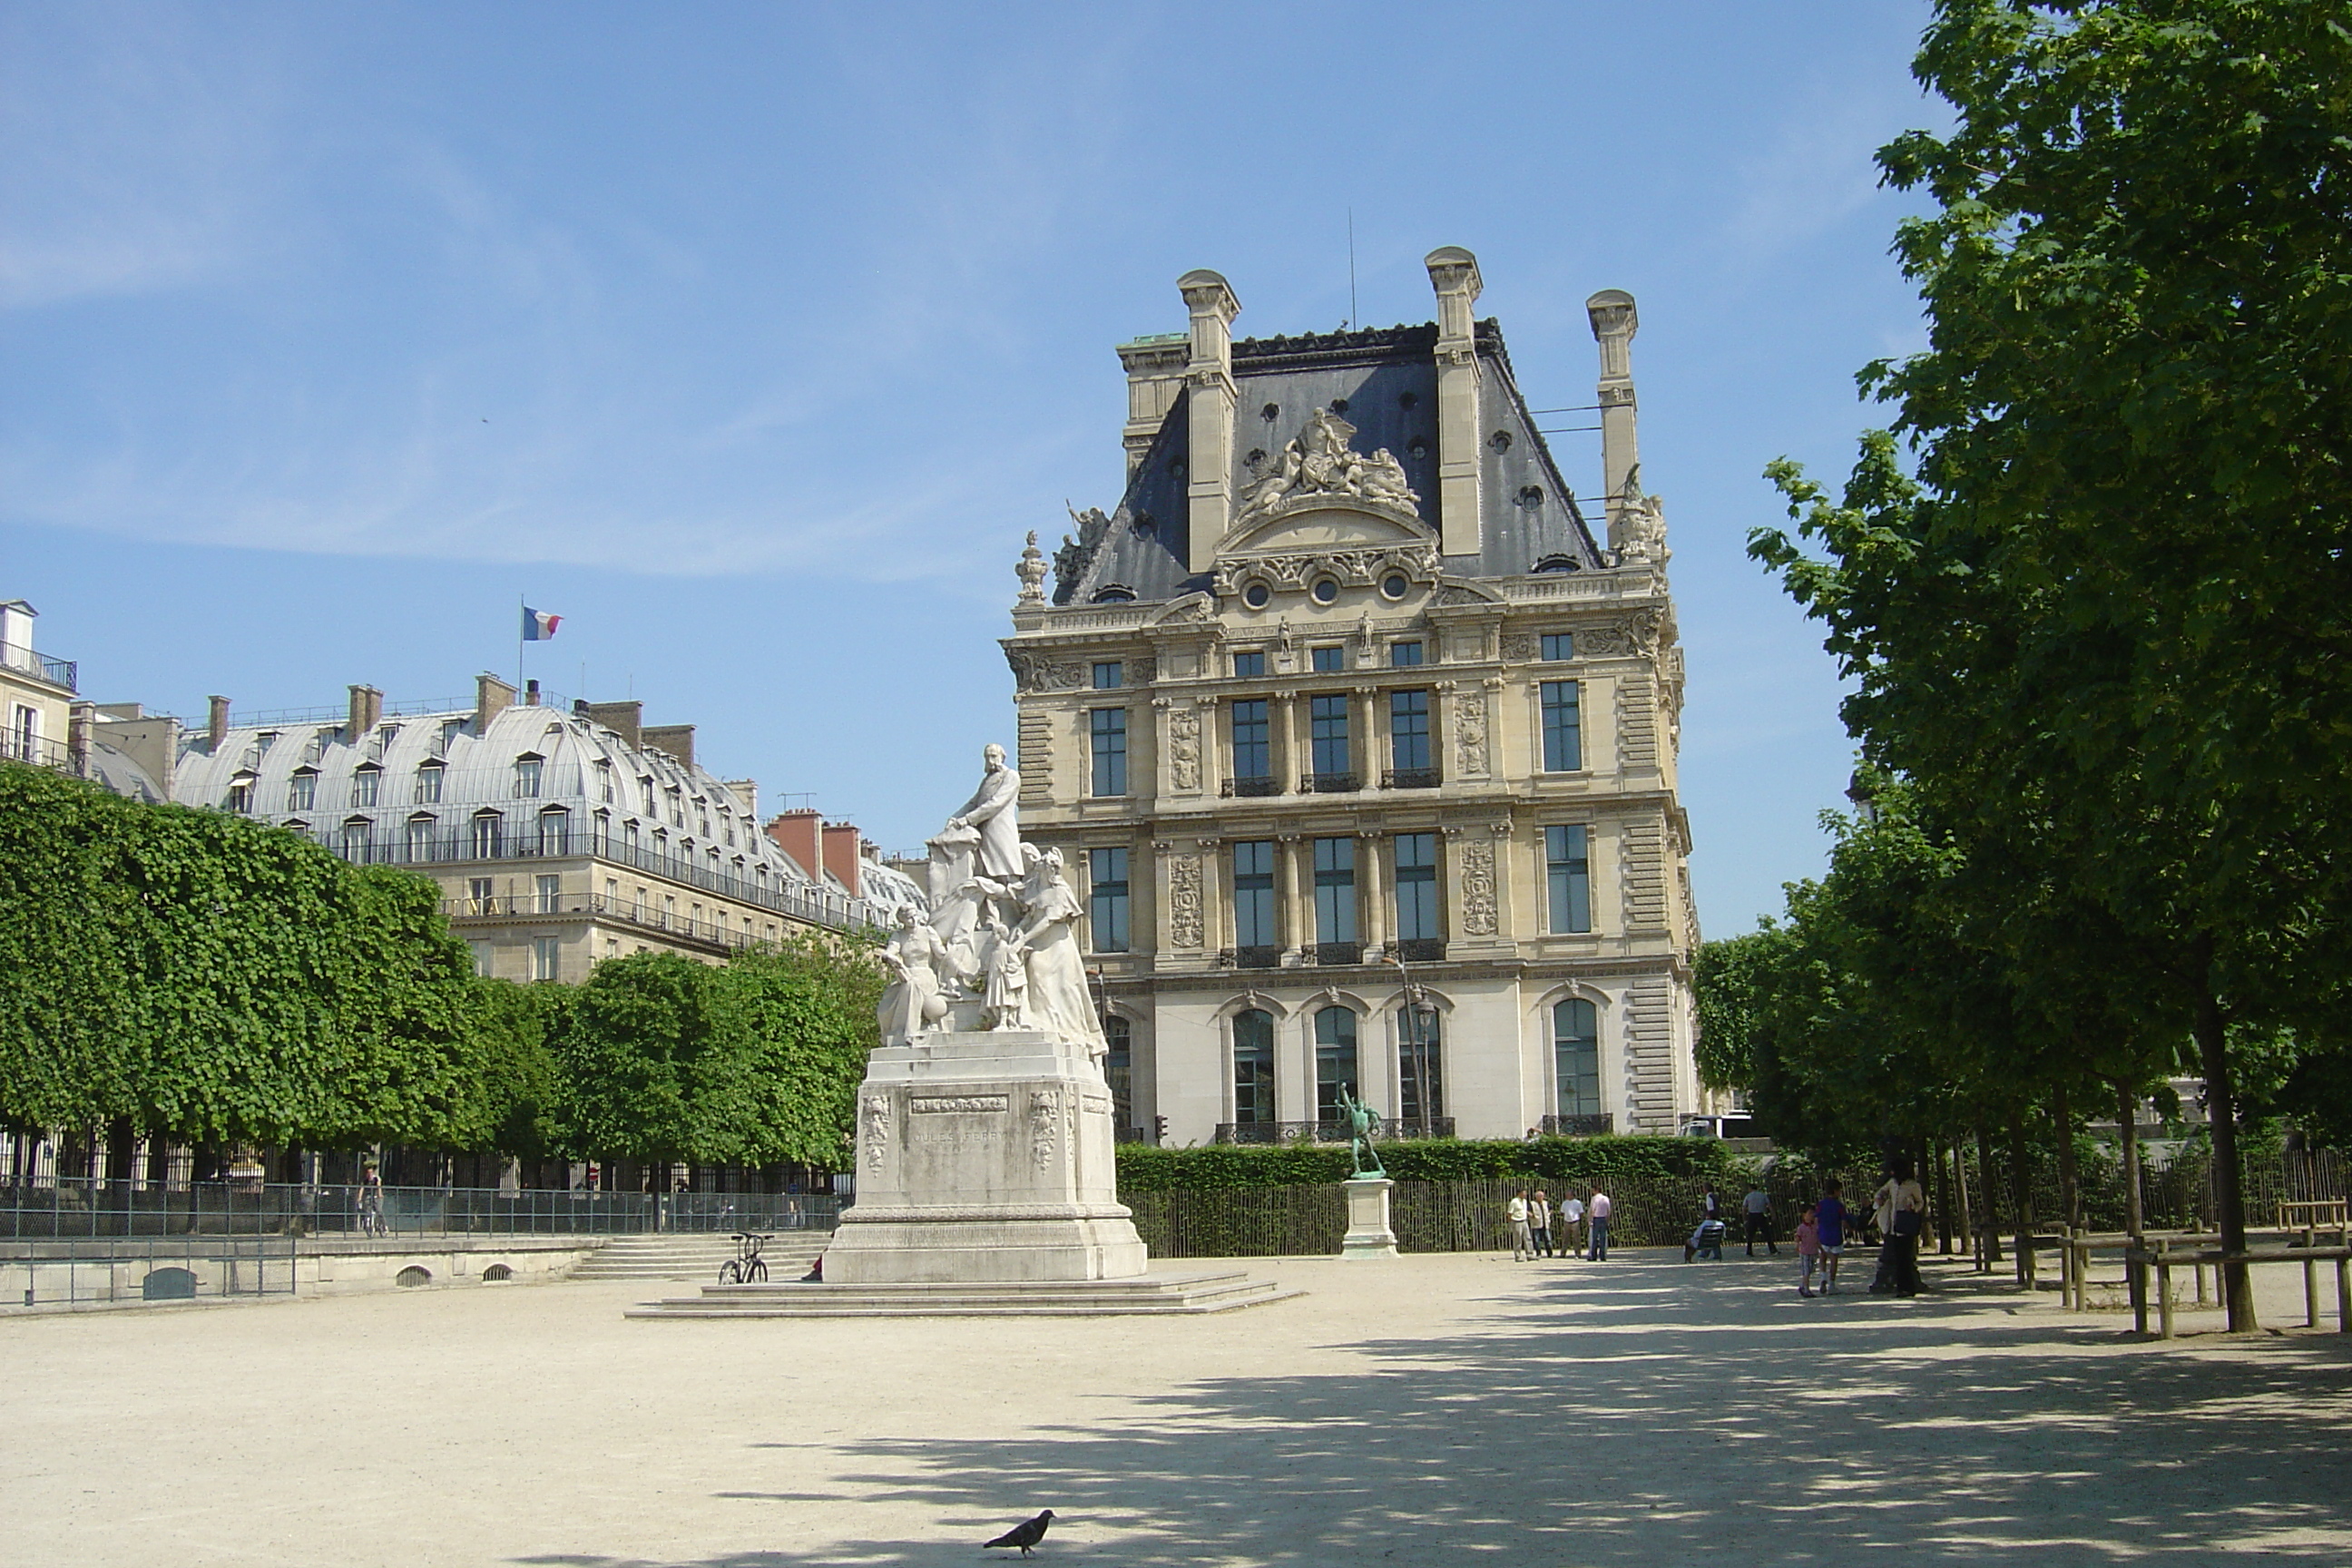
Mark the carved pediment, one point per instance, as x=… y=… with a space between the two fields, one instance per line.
x=1315 y=523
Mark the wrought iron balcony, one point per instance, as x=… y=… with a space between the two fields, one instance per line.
x=1255 y=785
x=1250 y=958
x=1329 y=783
x=1577 y=1126
x=1337 y=953
x=1411 y=778
x=1417 y=1127
x=62 y=672
x=1420 y=950
x=1327 y=1132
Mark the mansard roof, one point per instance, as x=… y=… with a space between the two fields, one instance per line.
x=1384 y=381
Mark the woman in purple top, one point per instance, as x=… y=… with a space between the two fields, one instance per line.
x=1830 y=1213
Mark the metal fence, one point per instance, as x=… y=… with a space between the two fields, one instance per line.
x=69 y=1208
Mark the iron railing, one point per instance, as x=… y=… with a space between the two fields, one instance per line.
x=1249 y=958
x=1330 y=784
x=40 y=752
x=1420 y=950
x=1411 y=778
x=1327 y=1132
x=1335 y=953
x=65 y=672
x=1255 y=785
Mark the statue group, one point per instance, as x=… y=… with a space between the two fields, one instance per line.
x=1000 y=939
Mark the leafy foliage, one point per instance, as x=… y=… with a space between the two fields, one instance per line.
x=1145 y=1168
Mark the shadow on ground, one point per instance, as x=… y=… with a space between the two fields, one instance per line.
x=1646 y=1412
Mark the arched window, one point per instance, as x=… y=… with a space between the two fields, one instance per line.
x=1576 y=1054
x=1335 y=1061
x=1253 y=1067
x=555 y=831
x=1118 y=1070
x=1421 y=1071
x=489 y=834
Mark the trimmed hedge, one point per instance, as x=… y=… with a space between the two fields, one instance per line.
x=1143 y=1168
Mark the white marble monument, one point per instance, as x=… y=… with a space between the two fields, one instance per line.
x=984 y=1126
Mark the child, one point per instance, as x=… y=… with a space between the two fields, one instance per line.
x=1831 y=1213
x=1808 y=1248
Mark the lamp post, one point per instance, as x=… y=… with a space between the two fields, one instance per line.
x=1421 y=1015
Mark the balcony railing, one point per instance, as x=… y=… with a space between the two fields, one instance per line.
x=1420 y=950
x=1250 y=958
x=1328 y=953
x=1255 y=785
x=62 y=672
x=1411 y=778
x=1592 y=1126
x=1329 y=783
x=41 y=753
x=555 y=906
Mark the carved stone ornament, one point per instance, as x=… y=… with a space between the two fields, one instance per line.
x=1637 y=528
x=1478 y=887
x=1044 y=1125
x=1142 y=671
x=1518 y=645
x=1034 y=672
x=1184 y=907
x=1185 y=749
x=1354 y=568
x=1636 y=637
x=1319 y=468
x=874 y=1120
x=1032 y=571
x=1463 y=594
x=1470 y=733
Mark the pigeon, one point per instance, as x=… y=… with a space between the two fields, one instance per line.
x=1026 y=1534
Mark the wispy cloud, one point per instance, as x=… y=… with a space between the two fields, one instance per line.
x=1817 y=169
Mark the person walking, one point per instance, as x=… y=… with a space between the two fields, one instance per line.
x=372 y=1201
x=1902 y=1205
x=1596 y=1219
x=1540 y=1222
x=1759 y=1205
x=1522 y=1244
x=1829 y=1215
x=1571 y=1216
x=1809 y=1247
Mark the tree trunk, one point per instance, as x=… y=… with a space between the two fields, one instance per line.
x=1991 y=1187
x=1931 y=1184
x=2135 y=1223
x=2021 y=1180
x=1960 y=1195
x=2222 y=1109
x=2070 y=1208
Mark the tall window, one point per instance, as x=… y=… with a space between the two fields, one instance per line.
x=482 y=893
x=1559 y=647
x=1421 y=1076
x=611 y=904
x=1249 y=666
x=1335 y=1061
x=1253 y=1067
x=1327 y=723
x=1109 y=733
x=546 y=957
x=420 y=839
x=302 y=791
x=1568 y=867
x=1110 y=676
x=1408 y=732
x=1253 y=751
x=1404 y=655
x=526 y=777
x=550 y=887
x=488 y=836
x=555 y=831
x=481 y=951
x=1335 y=889
x=359 y=833
x=1330 y=658
x=25 y=734
x=1416 y=887
x=1253 y=923
x=1576 y=1054
x=428 y=783
x=1107 y=882
x=605 y=780
x=240 y=797
x=1119 y=1070
x=1564 y=738
x=365 y=785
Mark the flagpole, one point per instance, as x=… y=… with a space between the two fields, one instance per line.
x=521 y=608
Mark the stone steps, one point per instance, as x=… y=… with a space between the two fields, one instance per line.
x=787 y=1255
x=1150 y=1295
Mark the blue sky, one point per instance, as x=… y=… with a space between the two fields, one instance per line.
x=751 y=338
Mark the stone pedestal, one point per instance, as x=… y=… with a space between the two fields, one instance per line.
x=1369 y=1234
x=983 y=1157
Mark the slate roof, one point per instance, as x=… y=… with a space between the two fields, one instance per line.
x=1384 y=381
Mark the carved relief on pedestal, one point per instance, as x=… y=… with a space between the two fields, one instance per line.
x=1185 y=749
x=1184 y=912
x=1470 y=733
x=1044 y=1125
x=1479 y=912
x=874 y=1119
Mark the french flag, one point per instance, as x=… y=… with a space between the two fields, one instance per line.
x=538 y=626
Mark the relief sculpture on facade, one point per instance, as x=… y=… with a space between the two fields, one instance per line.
x=1319 y=468
x=1044 y=1125
x=1185 y=749
x=1479 y=889
x=1184 y=901
x=1470 y=733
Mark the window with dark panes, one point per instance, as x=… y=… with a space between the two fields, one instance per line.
x=1408 y=732
x=1326 y=720
x=1253 y=922
x=1416 y=887
x=1335 y=889
x=1108 y=732
x=1106 y=880
x=1253 y=749
x=1568 y=872
x=1253 y=1067
x=1563 y=737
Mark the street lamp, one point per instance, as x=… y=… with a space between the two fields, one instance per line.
x=1420 y=1020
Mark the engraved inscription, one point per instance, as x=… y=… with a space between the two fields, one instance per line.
x=941 y=1104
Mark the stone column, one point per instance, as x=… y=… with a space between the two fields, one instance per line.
x=1298 y=923
x=1208 y=385
x=1292 y=753
x=1364 y=739
x=1372 y=891
x=1453 y=273
x=1614 y=322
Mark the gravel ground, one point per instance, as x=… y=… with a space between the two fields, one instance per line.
x=1639 y=1411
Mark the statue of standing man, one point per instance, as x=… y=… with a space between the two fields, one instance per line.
x=993 y=810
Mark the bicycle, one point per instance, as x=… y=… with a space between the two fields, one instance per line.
x=746 y=1267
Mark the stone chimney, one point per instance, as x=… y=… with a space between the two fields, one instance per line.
x=677 y=740
x=747 y=796
x=841 y=855
x=624 y=719
x=216 y=725
x=367 y=708
x=492 y=697
x=1209 y=380
x=531 y=693
x=797 y=833
x=1155 y=375
x=1614 y=322
x=1453 y=273
x=80 y=720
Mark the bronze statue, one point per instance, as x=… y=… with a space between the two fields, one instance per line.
x=1364 y=1125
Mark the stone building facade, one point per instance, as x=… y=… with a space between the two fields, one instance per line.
x=1360 y=747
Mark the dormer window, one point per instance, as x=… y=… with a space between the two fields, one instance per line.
x=1114 y=593
x=526 y=775
x=366 y=783
x=1558 y=563
x=240 y=795
x=677 y=808
x=428 y=783
x=605 y=780
x=302 y=790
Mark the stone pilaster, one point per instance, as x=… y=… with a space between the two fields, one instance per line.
x=1208 y=390
x=1453 y=273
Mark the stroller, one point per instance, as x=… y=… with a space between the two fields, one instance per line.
x=1706 y=1241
